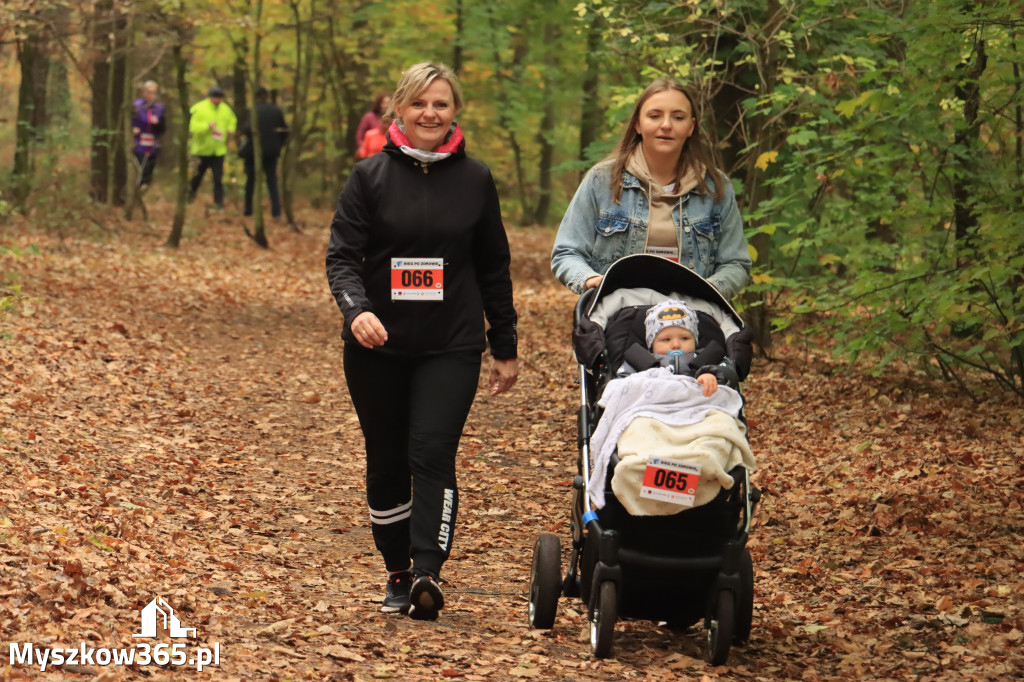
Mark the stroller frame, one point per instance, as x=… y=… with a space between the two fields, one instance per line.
x=599 y=565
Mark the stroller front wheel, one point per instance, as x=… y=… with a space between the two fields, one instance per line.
x=545 y=581
x=720 y=629
x=602 y=625
x=745 y=599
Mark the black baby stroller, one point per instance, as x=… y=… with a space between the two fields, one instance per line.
x=676 y=568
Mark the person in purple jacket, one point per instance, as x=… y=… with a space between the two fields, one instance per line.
x=148 y=124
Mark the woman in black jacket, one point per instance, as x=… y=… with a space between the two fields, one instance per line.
x=418 y=256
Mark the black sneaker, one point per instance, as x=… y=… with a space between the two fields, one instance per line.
x=396 y=595
x=425 y=597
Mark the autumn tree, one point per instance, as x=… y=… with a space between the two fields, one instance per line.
x=33 y=47
x=110 y=26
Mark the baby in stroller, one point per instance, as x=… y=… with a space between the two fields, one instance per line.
x=666 y=406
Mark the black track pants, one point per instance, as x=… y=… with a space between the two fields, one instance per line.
x=412 y=411
x=216 y=165
x=270 y=171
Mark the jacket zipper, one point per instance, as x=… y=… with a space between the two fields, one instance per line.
x=424 y=166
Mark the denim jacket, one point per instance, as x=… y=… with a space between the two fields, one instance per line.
x=596 y=231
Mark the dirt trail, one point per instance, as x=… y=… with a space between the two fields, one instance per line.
x=176 y=424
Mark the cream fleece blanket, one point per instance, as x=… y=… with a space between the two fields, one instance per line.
x=717 y=444
x=656 y=393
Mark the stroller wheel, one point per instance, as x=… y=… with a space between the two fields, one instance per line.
x=720 y=629
x=545 y=581
x=602 y=625
x=745 y=601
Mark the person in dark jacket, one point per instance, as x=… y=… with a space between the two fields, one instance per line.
x=273 y=135
x=148 y=125
x=418 y=257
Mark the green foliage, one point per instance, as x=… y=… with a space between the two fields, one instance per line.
x=10 y=297
x=863 y=197
x=10 y=290
x=854 y=141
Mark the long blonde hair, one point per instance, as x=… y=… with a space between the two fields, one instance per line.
x=694 y=154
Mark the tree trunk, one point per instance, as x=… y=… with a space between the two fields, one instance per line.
x=118 y=108
x=546 y=132
x=967 y=90
x=99 y=167
x=764 y=139
x=39 y=83
x=347 y=83
x=58 y=108
x=505 y=121
x=108 y=167
x=259 y=234
x=25 y=136
x=132 y=186
x=297 y=136
x=457 y=41
x=1019 y=125
x=239 y=73
x=1017 y=352
x=358 y=74
x=591 y=114
x=181 y=144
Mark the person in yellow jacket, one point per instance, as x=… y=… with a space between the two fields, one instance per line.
x=212 y=120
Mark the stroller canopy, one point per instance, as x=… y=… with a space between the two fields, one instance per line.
x=661 y=274
x=640 y=271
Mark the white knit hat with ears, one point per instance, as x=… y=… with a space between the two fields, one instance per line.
x=669 y=314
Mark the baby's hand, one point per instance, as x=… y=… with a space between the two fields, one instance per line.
x=709 y=382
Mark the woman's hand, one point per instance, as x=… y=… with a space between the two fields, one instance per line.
x=503 y=375
x=593 y=282
x=368 y=330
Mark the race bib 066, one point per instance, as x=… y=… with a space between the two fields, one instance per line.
x=417 y=279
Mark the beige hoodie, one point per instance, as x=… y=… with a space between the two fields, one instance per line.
x=661 y=229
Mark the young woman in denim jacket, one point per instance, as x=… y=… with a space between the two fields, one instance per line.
x=659 y=192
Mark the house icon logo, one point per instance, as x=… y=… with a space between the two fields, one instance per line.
x=156 y=610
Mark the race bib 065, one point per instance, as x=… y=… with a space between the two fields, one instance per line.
x=670 y=480
x=417 y=279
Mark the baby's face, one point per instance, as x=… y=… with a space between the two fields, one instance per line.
x=673 y=338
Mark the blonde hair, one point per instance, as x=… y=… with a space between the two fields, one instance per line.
x=418 y=78
x=694 y=154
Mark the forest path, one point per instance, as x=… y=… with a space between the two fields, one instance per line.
x=176 y=424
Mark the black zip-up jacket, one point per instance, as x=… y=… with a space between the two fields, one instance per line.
x=394 y=206
x=273 y=131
